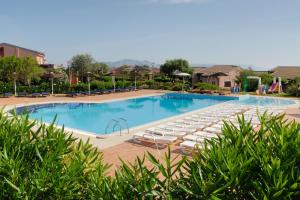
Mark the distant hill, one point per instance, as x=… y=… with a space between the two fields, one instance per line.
x=245 y=66
x=130 y=62
x=201 y=65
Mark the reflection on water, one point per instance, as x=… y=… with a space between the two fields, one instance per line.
x=174 y=105
x=264 y=101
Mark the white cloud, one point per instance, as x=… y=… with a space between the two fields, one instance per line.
x=178 y=1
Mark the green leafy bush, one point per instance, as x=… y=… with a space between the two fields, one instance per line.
x=177 y=87
x=42 y=162
x=206 y=86
x=6 y=87
x=293 y=87
x=80 y=87
x=45 y=163
x=97 y=85
x=123 y=84
x=244 y=164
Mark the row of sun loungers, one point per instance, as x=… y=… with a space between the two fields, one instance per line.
x=25 y=94
x=99 y=92
x=207 y=124
x=70 y=94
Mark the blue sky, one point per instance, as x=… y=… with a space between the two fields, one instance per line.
x=262 y=33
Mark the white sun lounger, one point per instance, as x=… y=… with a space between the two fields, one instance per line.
x=213 y=130
x=165 y=132
x=219 y=126
x=189 y=145
x=205 y=134
x=195 y=138
x=154 y=138
x=178 y=129
x=204 y=120
x=190 y=122
x=186 y=125
x=180 y=125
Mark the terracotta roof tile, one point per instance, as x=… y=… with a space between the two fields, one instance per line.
x=289 y=72
x=224 y=69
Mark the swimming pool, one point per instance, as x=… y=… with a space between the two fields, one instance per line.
x=263 y=101
x=95 y=117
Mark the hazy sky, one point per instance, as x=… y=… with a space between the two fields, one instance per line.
x=262 y=33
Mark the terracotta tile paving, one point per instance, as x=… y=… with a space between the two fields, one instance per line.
x=128 y=151
x=293 y=113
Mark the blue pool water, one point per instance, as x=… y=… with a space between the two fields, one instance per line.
x=263 y=101
x=94 y=117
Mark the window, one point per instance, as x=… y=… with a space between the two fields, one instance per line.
x=227 y=84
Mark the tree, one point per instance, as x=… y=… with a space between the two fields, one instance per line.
x=99 y=69
x=59 y=74
x=29 y=69
x=266 y=78
x=170 y=66
x=81 y=64
x=140 y=71
x=243 y=75
x=9 y=67
x=21 y=69
x=293 y=87
x=125 y=71
x=247 y=84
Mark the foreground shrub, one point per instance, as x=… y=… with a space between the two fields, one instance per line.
x=45 y=163
x=244 y=164
x=39 y=162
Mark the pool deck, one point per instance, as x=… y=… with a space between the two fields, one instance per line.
x=115 y=146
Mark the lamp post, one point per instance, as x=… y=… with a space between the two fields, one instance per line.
x=89 y=84
x=15 y=82
x=134 y=80
x=52 y=77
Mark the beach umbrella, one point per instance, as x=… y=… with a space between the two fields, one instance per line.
x=183 y=75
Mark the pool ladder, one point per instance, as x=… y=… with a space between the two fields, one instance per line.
x=117 y=123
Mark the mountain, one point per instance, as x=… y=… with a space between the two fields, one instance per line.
x=244 y=66
x=130 y=62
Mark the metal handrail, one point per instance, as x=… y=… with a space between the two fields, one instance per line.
x=117 y=122
x=110 y=123
x=126 y=123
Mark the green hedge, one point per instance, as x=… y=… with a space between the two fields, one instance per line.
x=174 y=86
x=242 y=164
x=95 y=85
x=206 y=86
x=42 y=87
x=62 y=87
